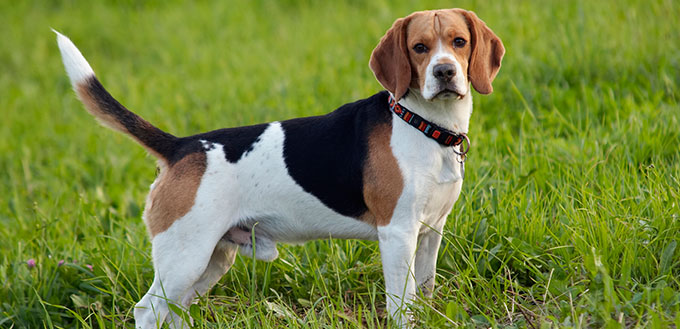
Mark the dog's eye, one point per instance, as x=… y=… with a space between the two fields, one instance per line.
x=420 y=48
x=459 y=42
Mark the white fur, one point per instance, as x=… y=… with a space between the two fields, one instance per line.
x=432 y=85
x=76 y=66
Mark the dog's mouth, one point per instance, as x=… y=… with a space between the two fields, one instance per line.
x=448 y=93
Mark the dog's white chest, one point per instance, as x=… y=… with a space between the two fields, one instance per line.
x=432 y=173
x=425 y=159
x=451 y=170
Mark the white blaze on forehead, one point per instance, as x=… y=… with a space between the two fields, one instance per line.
x=432 y=86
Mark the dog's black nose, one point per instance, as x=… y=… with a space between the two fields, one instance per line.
x=444 y=72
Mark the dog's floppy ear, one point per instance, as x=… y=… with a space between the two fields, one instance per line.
x=487 y=53
x=390 y=62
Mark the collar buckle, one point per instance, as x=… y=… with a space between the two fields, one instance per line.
x=463 y=148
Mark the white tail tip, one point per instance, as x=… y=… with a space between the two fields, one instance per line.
x=76 y=66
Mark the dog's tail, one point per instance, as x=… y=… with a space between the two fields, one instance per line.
x=107 y=109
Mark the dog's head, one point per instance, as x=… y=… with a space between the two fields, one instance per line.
x=438 y=53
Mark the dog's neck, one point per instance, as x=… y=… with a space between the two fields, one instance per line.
x=453 y=113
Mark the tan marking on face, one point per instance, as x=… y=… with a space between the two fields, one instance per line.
x=397 y=66
x=174 y=192
x=435 y=29
x=383 y=182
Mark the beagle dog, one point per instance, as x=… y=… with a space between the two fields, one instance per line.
x=386 y=168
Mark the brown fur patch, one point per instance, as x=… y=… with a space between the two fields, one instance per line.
x=389 y=60
x=383 y=182
x=487 y=53
x=174 y=193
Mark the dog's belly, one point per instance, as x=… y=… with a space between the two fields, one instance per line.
x=268 y=195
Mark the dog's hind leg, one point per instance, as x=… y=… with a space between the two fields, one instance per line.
x=180 y=261
x=221 y=260
x=183 y=251
x=150 y=314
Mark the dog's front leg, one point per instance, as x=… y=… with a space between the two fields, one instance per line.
x=397 y=248
x=426 y=259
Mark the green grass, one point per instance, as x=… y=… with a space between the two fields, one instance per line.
x=569 y=215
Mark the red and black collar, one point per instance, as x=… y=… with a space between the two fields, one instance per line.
x=443 y=136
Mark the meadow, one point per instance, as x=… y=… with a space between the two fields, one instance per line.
x=569 y=215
